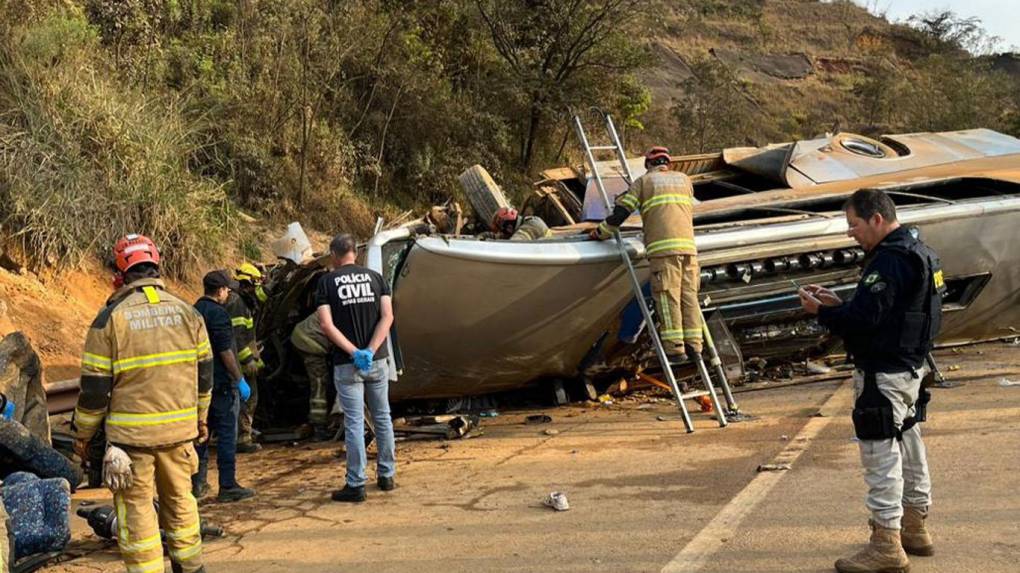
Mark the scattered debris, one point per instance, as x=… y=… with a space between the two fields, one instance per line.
x=557 y=500
x=435 y=427
x=784 y=437
x=551 y=432
x=773 y=467
x=953 y=368
x=538 y=419
x=816 y=368
x=1007 y=382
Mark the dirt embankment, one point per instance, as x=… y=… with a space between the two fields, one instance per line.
x=54 y=312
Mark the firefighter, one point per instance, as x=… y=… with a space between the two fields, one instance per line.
x=888 y=327
x=507 y=224
x=314 y=348
x=147 y=375
x=665 y=199
x=242 y=306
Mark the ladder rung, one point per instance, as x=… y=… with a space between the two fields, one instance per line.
x=602 y=147
x=695 y=394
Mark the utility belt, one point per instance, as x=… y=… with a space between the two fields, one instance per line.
x=873 y=412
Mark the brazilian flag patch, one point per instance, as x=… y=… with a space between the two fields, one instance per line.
x=871 y=278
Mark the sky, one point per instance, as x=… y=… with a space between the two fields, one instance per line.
x=999 y=17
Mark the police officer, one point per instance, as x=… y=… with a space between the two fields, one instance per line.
x=147 y=374
x=665 y=199
x=888 y=327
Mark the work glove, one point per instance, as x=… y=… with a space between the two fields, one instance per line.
x=363 y=359
x=244 y=389
x=8 y=411
x=259 y=364
x=117 y=474
x=81 y=448
x=250 y=369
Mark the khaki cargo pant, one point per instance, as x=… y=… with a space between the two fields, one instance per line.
x=247 y=415
x=896 y=471
x=317 y=367
x=165 y=472
x=675 y=282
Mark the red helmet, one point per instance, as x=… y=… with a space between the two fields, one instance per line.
x=658 y=156
x=503 y=217
x=133 y=249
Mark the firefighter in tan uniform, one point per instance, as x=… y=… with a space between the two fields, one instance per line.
x=508 y=224
x=147 y=374
x=665 y=200
x=242 y=305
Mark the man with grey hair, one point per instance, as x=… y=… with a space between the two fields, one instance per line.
x=888 y=328
x=355 y=310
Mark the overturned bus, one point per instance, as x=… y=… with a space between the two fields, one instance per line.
x=476 y=316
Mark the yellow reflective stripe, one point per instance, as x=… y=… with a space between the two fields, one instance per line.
x=151 y=360
x=183 y=532
x=668 y=245
x=668 y=199
x=939 y=280
x=122 y=530
x=245 y=353
x=248 y=323
x=692 y=333
x=260 y=294
x=151 y=295
x=672 y=335
x=186 y=553
x=86 y=419
x=204 y=400
x=153 y=419
x=150 y=566
x=203 y=349
x=139 y=546
x=667 y=315
x=627 y=201
x=96 y=361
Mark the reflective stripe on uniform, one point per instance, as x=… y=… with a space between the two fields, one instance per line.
x=248 y=323
x=204 y=400
x=260 y=294
x=672 y=335
x=627 y=201
x=667 y=199
x=183 y=532
x=245 y=353
x=604 y=230
x=667 y=316
x=96 y=361
x=151 y=294
x=153 y=419
x=139 y=546
x=152 y=360
x=188 y=552
x=86 y=419
x=668 y=245
x=203 y=349
x=692 y=333
x=151 y=566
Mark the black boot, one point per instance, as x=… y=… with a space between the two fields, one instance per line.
x=236 y=493
x=385 y=483
x=350 y=494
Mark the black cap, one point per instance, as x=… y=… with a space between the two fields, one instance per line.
x=217 y=279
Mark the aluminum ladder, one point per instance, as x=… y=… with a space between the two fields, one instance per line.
x=653 y=333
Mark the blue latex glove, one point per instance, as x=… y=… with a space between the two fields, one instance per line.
x=244 y=389
x=363 y=359
x=8 y=413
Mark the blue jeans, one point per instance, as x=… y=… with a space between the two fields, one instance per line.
x=223 y=423
x=355 y=389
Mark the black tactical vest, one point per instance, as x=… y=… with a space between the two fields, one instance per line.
x=910 y=329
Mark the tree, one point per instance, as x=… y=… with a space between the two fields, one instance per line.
x=713 y=112
x=946 y=31
x=561 y=53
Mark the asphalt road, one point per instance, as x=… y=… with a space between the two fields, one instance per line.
x=644 y=495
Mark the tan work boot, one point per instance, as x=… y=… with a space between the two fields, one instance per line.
x=883 y=555
x=916 y=540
